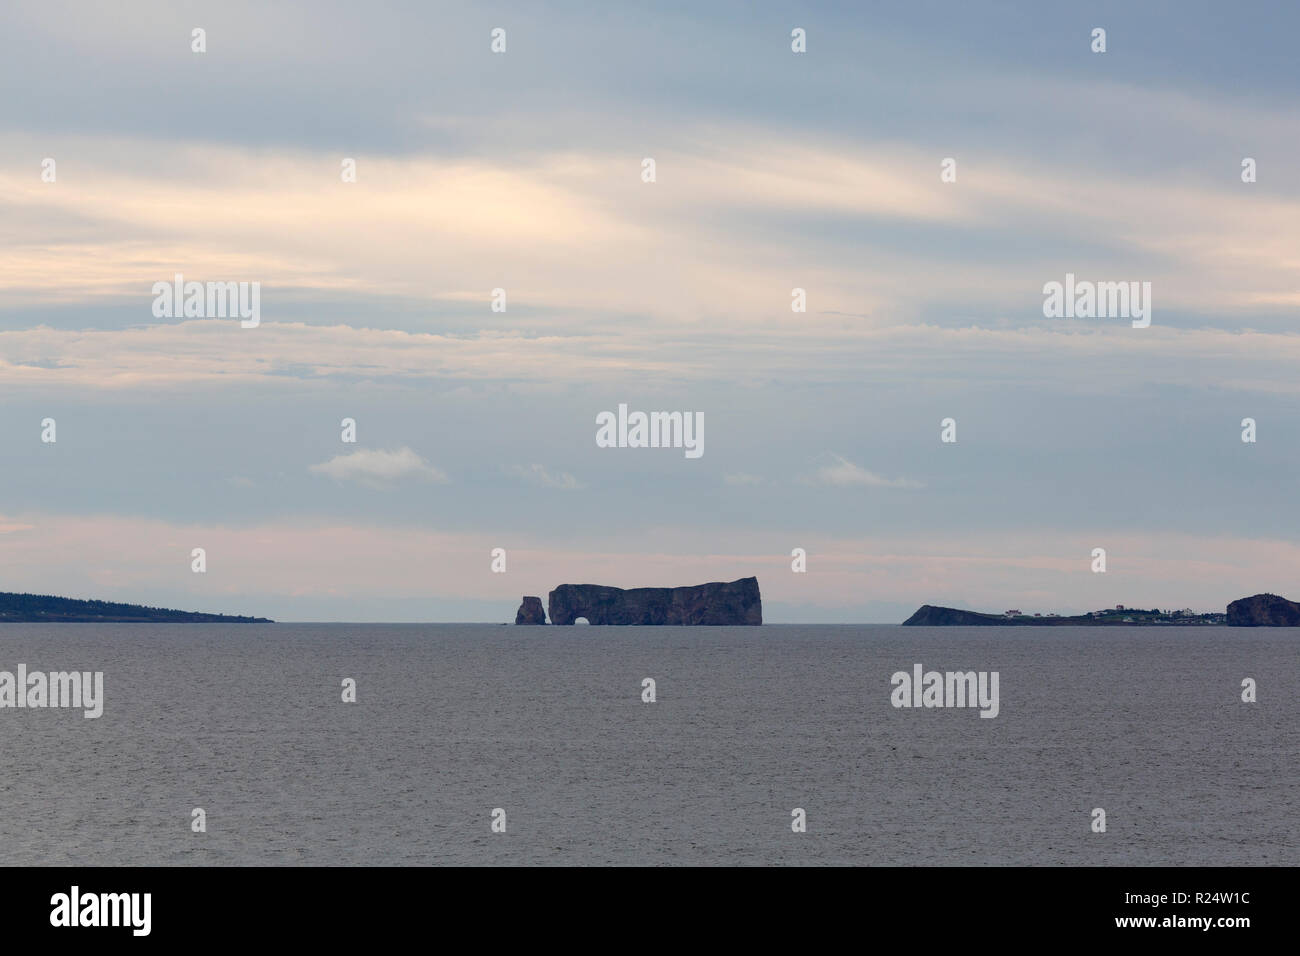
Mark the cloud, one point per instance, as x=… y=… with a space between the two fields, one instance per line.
x=1049 y=355
x=844 y=473
x=377 y=469
x=538 y=475
x=882 y=237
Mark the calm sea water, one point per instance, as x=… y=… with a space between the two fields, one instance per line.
x=547 y=723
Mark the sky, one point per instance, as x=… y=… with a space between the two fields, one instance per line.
x=522 y=171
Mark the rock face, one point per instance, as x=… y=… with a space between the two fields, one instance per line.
x=530 y=612
x=1264 y=610
x=735 y=602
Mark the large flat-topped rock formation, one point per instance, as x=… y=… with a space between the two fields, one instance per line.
x=735 y=602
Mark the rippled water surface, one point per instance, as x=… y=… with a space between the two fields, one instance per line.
x=452 y=721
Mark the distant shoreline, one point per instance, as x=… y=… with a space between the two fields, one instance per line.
x=929 y=615
x=1258 y=610
x=18 y=608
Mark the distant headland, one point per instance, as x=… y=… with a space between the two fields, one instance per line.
x=718 y=603
x=1260 y=610
x=35 y=608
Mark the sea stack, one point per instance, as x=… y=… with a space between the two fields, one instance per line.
x=530 y=612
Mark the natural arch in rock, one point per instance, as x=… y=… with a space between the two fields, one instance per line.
x=734 y=602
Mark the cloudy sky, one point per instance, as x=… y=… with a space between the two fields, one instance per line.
x=523 y=171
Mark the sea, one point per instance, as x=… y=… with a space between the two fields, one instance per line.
x=478 y=744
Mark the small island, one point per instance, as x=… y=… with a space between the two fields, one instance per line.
x=44 y=608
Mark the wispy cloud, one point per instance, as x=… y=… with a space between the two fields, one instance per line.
x=579 y=241
x=540 y=475
x=844 y=473
x=377 y=469
x=218 y=352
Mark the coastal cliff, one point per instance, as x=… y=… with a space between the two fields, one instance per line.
x=1263 y=610
x=734 y=602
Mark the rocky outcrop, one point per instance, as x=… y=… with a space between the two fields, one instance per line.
x=929 y=615
x=530 y=612
x=1263 y=610
x=735 y=602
